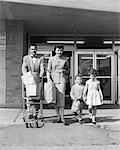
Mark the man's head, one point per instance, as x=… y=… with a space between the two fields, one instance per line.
x=32 y=49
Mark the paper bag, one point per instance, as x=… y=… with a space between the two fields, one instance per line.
x=75 y=106
x=27 y=79
x=49 y=92
x=31 y=90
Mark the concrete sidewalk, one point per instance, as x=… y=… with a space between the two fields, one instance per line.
x=106 y=118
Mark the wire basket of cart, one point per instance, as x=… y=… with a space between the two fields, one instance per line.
x=32 y=95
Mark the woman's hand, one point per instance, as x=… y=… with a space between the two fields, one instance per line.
x=49 y=80
x=60 y=71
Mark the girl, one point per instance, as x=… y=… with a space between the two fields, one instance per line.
x=94 y=95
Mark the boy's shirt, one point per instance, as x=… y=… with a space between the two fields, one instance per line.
x=77 y=91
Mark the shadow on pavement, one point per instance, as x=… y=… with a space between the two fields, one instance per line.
x=71 y=120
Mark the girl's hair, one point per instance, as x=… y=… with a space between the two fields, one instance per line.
x=78 y=75
x=93 y=72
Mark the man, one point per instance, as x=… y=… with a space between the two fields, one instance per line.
x=32 y=63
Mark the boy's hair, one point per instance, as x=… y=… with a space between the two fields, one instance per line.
x=93 y=72
x=78 y=75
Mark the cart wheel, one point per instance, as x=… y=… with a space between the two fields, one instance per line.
x=34 y=124
x=23 y=119
x=37 y=125
x=27 y=125
x=40 y=123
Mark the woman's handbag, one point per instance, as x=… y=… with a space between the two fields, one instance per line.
x=49 y=92
x=75 y=106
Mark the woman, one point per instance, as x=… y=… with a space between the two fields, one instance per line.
x=57 y=70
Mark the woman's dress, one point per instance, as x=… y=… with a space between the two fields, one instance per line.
x=58 y=68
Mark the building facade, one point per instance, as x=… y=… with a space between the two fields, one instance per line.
x=89 y=31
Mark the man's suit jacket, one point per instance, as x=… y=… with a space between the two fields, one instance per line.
x=37 y=68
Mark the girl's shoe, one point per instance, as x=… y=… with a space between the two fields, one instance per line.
x=63 y=121
x=93 y=120
x=80 y=120
x=91 y=116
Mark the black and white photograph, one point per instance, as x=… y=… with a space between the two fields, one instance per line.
x=59 y=74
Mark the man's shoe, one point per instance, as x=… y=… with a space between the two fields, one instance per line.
x=94 y=122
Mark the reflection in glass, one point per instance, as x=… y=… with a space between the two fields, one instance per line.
x=105 y=84
x=103 y=65
x=46 y=58
x=85 y=63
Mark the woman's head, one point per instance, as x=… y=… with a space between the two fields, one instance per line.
x=93 y=73
x=59 y=50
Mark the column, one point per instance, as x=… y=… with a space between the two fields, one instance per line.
x=2 y=63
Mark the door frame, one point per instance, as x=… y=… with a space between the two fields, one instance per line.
x=94 y=52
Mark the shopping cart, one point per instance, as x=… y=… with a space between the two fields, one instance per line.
x=32 y=96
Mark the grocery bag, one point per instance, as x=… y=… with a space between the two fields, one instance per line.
x=75 y=106
x=49 y=92
x=31 y=90
x=28 y=79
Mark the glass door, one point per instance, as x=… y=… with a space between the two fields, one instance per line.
x=101 y=61
x=84 y=62
x=104 y=68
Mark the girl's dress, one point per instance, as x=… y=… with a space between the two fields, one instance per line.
x=94 y=96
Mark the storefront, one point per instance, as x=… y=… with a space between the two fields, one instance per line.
x=82 y=57
x=89 y=31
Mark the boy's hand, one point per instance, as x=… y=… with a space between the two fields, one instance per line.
x=74 y=99
x=84 y=98
x=101 y=98
x=49 y=80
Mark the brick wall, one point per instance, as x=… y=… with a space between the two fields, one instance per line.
x=14 y=56
x=2 y=68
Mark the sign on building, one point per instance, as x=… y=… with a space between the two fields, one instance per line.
x=2 y=41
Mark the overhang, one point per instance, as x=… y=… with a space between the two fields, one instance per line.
x=85 y=17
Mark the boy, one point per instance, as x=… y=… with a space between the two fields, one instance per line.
x=76 y=94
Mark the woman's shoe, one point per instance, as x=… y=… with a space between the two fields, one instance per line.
x=59 y=120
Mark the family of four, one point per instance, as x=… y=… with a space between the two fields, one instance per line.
x=57 y=70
